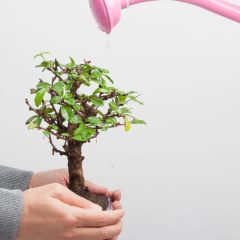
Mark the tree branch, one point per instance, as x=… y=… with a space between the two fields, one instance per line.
x=40 y=113
x=54 y=147
x=58 y=136
x=53 y=72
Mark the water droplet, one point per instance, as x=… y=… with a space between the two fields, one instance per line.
x=108 y=45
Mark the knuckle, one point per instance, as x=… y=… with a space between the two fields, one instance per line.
x=101 y=221
x=57 y=188
x=70 y=221
x=80 y=220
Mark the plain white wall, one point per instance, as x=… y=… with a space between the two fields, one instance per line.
x=180 y=173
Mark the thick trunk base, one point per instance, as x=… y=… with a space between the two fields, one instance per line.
x=76 y=177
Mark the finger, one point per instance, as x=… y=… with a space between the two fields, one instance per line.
x=115 y=195
x=65 y=195
x=64 y=174
x=102 y=233
x=115 y=238
x=95 y=188
x=93 y=218
x=116 y=205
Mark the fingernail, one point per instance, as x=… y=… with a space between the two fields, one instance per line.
x=96 y=207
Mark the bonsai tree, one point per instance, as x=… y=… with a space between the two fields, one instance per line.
x=73 y=106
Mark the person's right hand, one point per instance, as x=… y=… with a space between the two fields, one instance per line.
x=53 y=212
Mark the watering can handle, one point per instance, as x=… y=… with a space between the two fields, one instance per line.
x=221 y=7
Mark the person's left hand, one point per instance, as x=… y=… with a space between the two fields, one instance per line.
x=61 y=176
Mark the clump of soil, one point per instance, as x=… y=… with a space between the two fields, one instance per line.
x=102 y=200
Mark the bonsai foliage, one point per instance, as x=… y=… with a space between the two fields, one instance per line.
x=74 y=105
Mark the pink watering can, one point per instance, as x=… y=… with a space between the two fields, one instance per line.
x=108 y=12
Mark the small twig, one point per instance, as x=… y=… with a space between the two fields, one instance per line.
x=54 y=147
x=40 y=113
x=59 y=65
x=53 y=133
x=53 y=72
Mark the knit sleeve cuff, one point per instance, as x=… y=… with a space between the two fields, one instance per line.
x=11 y=178
x=11 y=208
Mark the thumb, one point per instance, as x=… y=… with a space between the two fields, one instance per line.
x=65 y=195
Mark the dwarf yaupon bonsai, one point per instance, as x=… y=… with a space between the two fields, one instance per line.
x=75 y=105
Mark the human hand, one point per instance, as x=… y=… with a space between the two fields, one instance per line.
x=61 y=176
x=53 y=212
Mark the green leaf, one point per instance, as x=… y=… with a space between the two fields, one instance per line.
x=55 y=99
x=77 y=107
x=43 y=85
x=31 y=125
x=65 y=134
x=75 y=119
x=132 y=92
x=34 y=122
x=138 y=121
x=88 y=133
x=39 y=97
x=96 y=101
x=70 y=101
x=55 y=127
x=132 y=98
x=85 y=77
x=102 y=83
x=95 y=121
x=111 y=120
x=38 y=121
x=67 y=112
x=68 y=95
x=41 y=54
x=46 y=133
x=73 y=76
x=72 y=61
x=100 y=113
x=96 y=73
x=106 y=90
x=127 y=124
x=113 y=106
x=45 y=64
x=31 y=119
x=80 y=129
x=108 y=78
x=59 y=87
x=83 y=133
x=122 y=99
x=48 y=110
x=105 y=128
x=103 y=70
x=125 y=110
x=69 y=84
x=79 y=138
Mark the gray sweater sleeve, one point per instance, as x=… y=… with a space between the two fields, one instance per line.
x=11 y=178
x=11 y=207
x=12 y=183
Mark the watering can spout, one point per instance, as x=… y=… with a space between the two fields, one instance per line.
x=108 y=12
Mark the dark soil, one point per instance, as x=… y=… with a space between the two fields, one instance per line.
x=102 y=200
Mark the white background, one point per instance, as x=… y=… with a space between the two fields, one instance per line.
x=180 y=174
